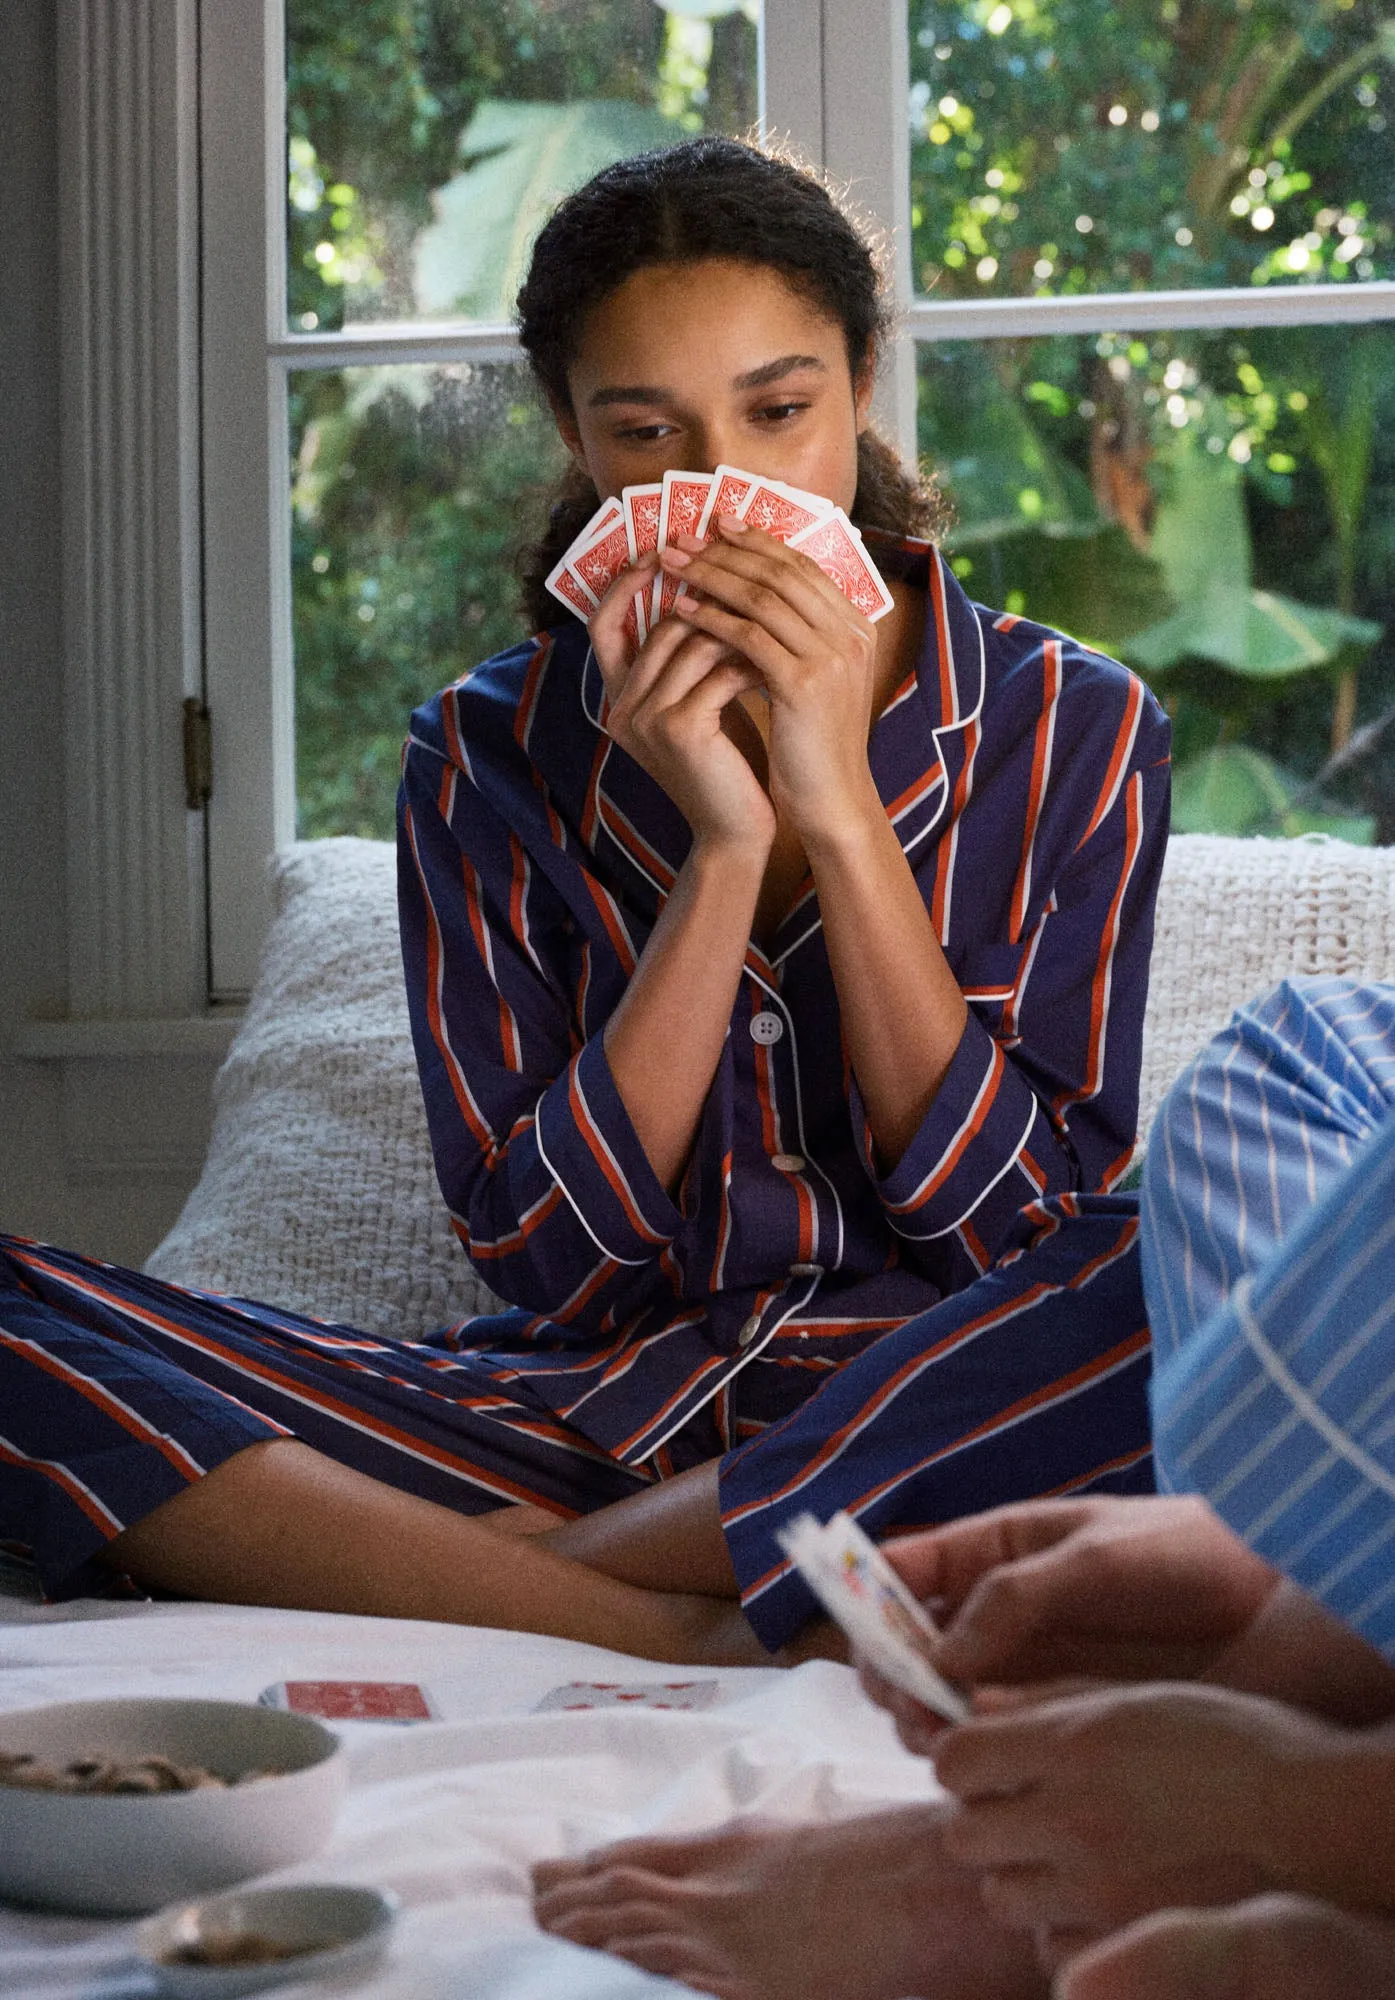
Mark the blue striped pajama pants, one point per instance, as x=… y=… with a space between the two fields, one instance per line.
x=117 y=1391
x=1269 y=1269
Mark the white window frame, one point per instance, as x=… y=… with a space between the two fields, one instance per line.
x=177 y=527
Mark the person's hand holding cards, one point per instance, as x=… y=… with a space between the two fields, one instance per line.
x=704 y=586
x=891 y=1634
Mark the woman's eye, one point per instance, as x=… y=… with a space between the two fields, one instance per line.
x=780 y=413
x=645 y=433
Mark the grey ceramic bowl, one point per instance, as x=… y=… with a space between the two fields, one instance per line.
x=117 y=1854
x=327 y=1927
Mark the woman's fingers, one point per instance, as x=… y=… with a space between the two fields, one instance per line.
x=667 y=669
x=609 y=641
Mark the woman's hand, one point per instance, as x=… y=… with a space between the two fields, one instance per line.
x=664 y=706
x=1088 y=1812
x=814 y=653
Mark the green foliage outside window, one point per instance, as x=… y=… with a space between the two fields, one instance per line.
x=1212 y=506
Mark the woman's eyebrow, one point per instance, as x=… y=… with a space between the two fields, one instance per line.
x=758 y=378
x=773 y=370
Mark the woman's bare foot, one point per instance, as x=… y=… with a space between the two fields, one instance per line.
x=860 y=1909
x=1257 y=1950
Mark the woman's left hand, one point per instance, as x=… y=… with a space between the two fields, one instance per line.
x=1087 y=1812
x=815 y=653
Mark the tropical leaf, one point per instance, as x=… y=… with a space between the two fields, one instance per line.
x=520 y=160
x=1233 y=789
x=1201 y=541
x=1099 y=587
x=1201 y=536
x=999 y=471
x=1256 y=633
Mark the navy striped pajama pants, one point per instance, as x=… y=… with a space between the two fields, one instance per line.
x=118 y=1390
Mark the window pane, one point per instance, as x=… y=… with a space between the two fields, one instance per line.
x=1059 y=146
x=413 y=490
x=1219 y=511
x=428 y=139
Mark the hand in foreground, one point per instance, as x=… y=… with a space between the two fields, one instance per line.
x=1086 y=1812
x=664 y=706
x=1269 y=1948
x=1104 y=1588
x=814 y=652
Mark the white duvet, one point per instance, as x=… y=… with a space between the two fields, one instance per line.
x=450 y=1814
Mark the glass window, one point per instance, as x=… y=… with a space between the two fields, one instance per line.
x=1059 y=147
x=428 y=141
x=1217 y=509
x=413 y=490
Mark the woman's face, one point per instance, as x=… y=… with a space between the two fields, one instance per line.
x=714 y=363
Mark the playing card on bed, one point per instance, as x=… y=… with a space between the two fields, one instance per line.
x=629 y=1694
x=857 y=1586
x=353 y=1701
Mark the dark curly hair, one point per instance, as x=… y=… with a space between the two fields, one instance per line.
x=709 y=198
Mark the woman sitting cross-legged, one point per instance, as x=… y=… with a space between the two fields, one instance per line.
x=777 y=993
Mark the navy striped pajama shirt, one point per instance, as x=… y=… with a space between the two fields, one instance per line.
x=962 y=1328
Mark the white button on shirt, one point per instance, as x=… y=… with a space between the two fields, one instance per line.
x=787 y=1163
x=766 y=1028
x=749 y=1331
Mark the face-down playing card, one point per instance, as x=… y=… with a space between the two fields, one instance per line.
x=647 y=517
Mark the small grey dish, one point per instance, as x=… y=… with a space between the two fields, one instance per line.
x=326 y=1927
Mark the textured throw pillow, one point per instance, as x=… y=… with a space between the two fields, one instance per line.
x=319 y=1193
x=1237 y=916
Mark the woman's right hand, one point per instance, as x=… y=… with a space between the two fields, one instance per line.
x=664 y=706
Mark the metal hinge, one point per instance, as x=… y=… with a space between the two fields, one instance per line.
x=198 y=753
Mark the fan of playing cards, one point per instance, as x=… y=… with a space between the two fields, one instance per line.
x=645 y=518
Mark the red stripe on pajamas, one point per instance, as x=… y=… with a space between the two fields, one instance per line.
x=600 y=1152
x=67 y=1482
x=1037 y=784
x=460 y=1088
x=112 y=1406
x=1100 y=985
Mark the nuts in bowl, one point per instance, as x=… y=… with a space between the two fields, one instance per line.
x=117 y=1807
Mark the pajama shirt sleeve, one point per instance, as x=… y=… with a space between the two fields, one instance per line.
x=544 y=1175
x=1041 y=1096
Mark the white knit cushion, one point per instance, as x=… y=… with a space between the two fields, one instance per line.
x=319 y=1194
x=1236 y=916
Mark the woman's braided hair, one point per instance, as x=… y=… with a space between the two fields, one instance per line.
x=708 y=198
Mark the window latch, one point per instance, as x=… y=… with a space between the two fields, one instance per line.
x=198 y=753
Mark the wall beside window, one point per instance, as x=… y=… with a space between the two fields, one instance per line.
x=97 y=1149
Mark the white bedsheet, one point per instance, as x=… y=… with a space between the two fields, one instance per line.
x=450 y=1814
